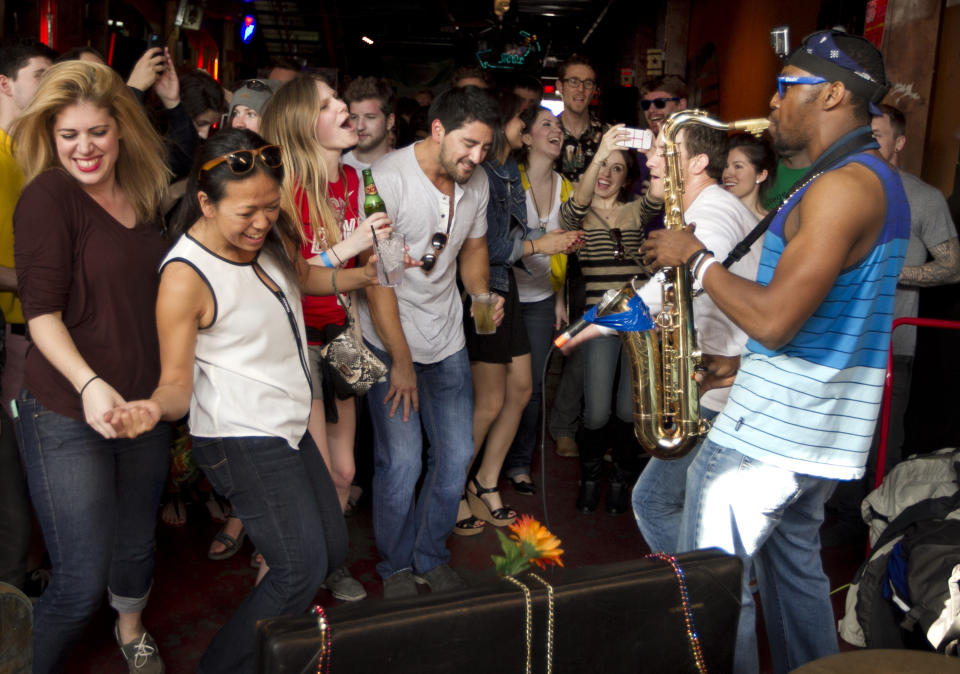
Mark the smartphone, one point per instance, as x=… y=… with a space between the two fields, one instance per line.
x=640 y=139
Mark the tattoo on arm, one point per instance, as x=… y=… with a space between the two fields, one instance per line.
x=943 y=269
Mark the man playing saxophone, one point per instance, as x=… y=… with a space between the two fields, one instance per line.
x=802 y=409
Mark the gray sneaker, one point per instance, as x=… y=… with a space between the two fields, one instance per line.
x=400 y=584
x=441 y=578
x=343 y=586
x=141 y=655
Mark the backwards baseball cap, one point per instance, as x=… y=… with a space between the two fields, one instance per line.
x=254 y=94
x=840 y=57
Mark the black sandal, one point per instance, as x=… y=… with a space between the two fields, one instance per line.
x=501 y=517
x=470 y=525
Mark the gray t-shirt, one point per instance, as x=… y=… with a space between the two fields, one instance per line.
x=930 y=225
x=350 y=159
x=431 y=312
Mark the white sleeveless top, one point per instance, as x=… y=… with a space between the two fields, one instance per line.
x=250 y=374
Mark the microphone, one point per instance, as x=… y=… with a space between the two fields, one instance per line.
x=582 y=323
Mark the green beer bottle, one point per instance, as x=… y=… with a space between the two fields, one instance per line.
x=372 y=203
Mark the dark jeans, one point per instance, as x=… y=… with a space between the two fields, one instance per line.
x=96 y=500
x=538 y=319
x=289 y=508
x=14 y=509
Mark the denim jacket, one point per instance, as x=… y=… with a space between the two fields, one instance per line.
x=506 y=220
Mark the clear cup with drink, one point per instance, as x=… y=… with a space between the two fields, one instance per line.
x=483 y=307
x=390 y=249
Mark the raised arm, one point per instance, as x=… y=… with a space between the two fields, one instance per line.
x=588 y=181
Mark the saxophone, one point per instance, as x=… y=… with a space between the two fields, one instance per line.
x=666 y=398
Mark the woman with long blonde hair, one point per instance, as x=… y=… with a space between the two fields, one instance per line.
x=313 y=126
x=88 y=244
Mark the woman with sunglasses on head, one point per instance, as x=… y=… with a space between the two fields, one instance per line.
x=539 y=285
x=247 y=104
x=500 y=362
x=614 y=228
x=233 y=354
x=88 y=243
x=306 y=117
x=750 y=171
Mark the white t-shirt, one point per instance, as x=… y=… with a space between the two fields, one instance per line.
x=350 y=159
x=533 y=284
x=431 y=312
x=722 y=222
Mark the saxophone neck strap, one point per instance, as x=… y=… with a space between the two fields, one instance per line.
x=855 y=142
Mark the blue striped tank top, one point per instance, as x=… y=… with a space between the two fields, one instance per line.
x=811 y=405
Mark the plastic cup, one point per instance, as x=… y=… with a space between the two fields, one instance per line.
x=390 y=250
x=483 y=308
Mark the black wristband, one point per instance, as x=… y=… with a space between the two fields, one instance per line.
x=694 y=256
x=89 y=381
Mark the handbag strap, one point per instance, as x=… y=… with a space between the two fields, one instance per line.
x=341 y=298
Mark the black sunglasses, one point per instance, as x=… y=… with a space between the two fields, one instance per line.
x=242 y=161
x=618 y=251
x=255 y=85
x=439 y=242
x=658 y=103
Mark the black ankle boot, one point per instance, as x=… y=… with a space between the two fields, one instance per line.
x=592 y=446
x=617 y=496
x=589 y=496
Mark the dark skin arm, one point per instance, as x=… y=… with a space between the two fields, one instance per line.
x=832 y=228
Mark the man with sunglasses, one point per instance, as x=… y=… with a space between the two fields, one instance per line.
x=436 y=195
x=802 y=409
x=660 y=97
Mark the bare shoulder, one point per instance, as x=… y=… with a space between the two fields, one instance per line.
x=845 y=206
x=853 y=187
x=184 y=291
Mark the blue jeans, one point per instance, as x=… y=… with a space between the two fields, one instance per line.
x=600 y=357
x=768 y=517
x=538 y=318
x=413 y=535
x=96 y=501
x=659 y=495
x=289 y=508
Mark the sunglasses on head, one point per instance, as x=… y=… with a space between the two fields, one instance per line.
x=439 y=242
x=618 y=251
x=785 y=81
x=658 y=103
x=254 y=85
x=242 y=161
